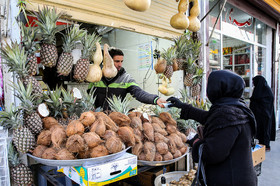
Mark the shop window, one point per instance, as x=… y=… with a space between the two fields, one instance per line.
x=260 y=32
x=215 y=53
x=237 y=23
x=213 y=15
x=259 y=60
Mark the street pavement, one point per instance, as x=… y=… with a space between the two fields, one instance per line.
x=270 y=169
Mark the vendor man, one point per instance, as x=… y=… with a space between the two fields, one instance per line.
x=120 y=85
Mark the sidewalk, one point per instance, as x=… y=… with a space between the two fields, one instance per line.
x=271 y=165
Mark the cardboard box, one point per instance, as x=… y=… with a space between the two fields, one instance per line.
x=102 y=174
x=147 y=178
x=258 y=154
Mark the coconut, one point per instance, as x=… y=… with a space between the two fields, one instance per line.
x=136 y=122
x=142 y=156
x=64 y=154
x=158 y=157
x=167 y=156
x=49 y=153
x=171 y=129
x=177 y=154
x=44 y=138
x=146 y=118
x=183 y=150
x=167 y=118
x=149 y=150
x=159 y=122
x=48 y=122
x=182 y=136
x=87 y=118
x=58 y=137
x=137 y=149
x=159 y=137
x=75 y=127
x=98 y=127
x=108 y=134
x=127 y=136
x=110 y=124
x=158 y=129
x=54 y=126
x=84 y=154
x=120 y=119
x=77 y=93
x=43 y=110
x=114 y=145
x=134 y=114
x=172 y=145
x=99 y=151
x=148 y=131
x=162 y=148
x=39 y=150
x=75 y=143
x=178 y=141
x=92 y=139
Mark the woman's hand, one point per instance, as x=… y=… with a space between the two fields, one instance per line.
x=175 y=102
x=160 y=102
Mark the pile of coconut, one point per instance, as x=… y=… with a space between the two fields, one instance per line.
x=96 y=134
x=156 y=138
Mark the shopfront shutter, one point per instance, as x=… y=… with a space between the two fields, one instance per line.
x=114 y=13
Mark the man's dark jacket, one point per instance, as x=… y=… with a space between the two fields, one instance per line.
x=120 y=85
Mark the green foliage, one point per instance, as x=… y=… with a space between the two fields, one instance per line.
x=88 y=100
x=168 y=54
x=11 y=119
x=119 y=105
x=73 y=34
x=88 y=42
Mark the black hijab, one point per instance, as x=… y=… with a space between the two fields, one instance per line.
x=261 y=90
x=226 y=88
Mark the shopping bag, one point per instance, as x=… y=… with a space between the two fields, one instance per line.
x=200 y=170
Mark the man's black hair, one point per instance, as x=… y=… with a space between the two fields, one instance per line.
x=115 y=52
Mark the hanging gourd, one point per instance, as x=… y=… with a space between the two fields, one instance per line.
x=95 y=72
x=165 y=89
x=109 y=70
x=195 y=24
x=179 y=20
x=138 y=5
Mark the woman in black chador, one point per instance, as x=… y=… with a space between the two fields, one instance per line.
x=229 y=127
x=262 y=106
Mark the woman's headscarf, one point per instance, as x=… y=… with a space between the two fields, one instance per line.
x=261 y=90
x=226 y=88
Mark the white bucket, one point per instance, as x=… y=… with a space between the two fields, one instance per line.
x=170 y=176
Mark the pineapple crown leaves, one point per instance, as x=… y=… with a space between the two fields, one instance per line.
x=11 y=119
x=119 y=105
x=16 y=58
x=169 y=55
x=46 y=22
x=181 y=44
x=70 y=103
x=13 y=156
x=28 y=35
x=88 y=100
x=184 y=95
x=190 y=65
x=29 y=101
x=54 y=102
x=198 y=75
x=72 y=35
x=88 y=42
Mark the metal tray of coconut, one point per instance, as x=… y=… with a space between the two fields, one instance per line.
x=80 y=162
x=160 y=163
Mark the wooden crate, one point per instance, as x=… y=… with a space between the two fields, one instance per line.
x=258 y=155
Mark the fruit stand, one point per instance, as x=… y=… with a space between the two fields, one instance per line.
x=61 y=129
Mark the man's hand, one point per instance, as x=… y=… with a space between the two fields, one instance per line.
x=160 y=101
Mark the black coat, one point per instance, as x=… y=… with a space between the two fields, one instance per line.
x=229 y=127
x=261 y=103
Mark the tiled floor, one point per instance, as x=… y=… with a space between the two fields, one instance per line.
x=270 y=173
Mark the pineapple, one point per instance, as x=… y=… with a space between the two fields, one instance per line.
x=46 y=22
x=20 y=173
x=65 y=62
x=29 y=103
x=197 y=81
x=88 y=100
x=23 y=139
x=16 y=59
x=169 y=55
x=119 y=105
x=181 y=45
x=71 y=105
x=82 y=67
x=28 y=35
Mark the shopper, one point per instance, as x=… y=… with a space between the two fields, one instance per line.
x=261 y=103
x=120 y=85
x=229 y=127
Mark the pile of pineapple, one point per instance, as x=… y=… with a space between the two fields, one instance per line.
x=183 y=55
